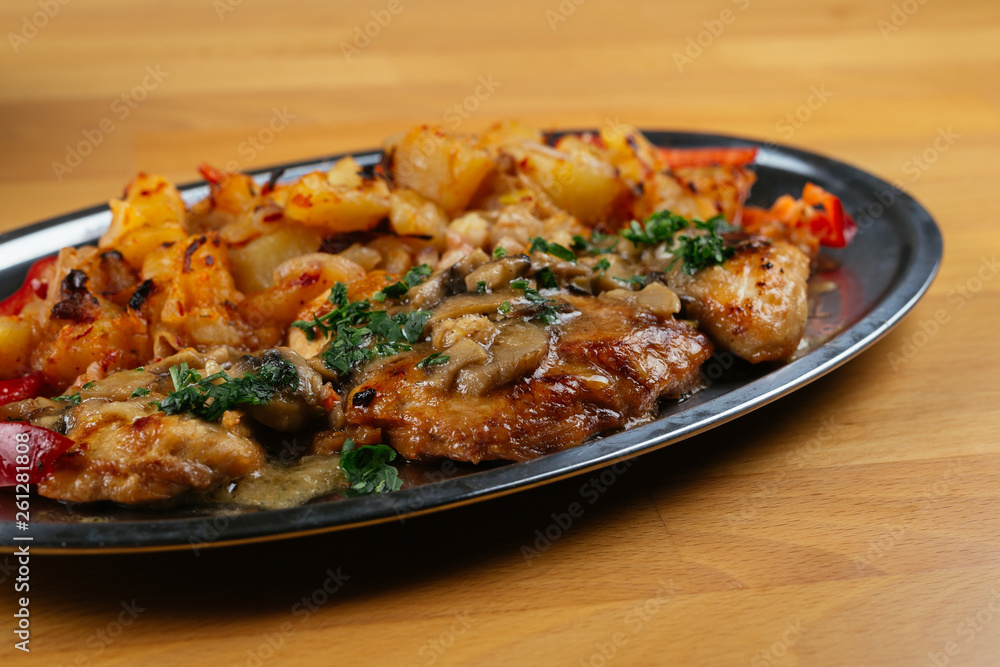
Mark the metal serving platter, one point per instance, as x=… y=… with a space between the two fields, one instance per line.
x=879 y=278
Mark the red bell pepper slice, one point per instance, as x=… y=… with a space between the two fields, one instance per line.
x=19 y=389
x=833 y=226
x=33 y=286
x=706 y=157
x=27 y=452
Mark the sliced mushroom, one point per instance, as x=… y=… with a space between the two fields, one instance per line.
x=430 y=292
x=518 y=350
x=655 y=298
x=291 y=409
x=446 y=281
x=477 y=304
x=479 y=328
x=462 y=354
x=658 y=299
x=499 y=273
x=469 y=263
x=561 y=268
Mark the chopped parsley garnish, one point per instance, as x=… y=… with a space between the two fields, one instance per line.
x=499 y=252
x=548 y=310
x=661 y=227
x=602 y=266
x=139 y=392
x=357 y=333
x=721 y=225
x=413 y=277
x=436 y=359
x=596 y=244
x=696 y=252
x=538 y=244
x=481 y=287
x=546 y=279
x=699 y=252
x=367 y=469
x=343 y=314
x=204 y=398
x=88 y=385
x=72 y=399
x=505 y=308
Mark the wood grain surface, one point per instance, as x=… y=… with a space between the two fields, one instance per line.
x=856 y=522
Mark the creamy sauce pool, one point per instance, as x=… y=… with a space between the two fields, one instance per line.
x=279 y=486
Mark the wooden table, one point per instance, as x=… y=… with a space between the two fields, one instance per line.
x=856 y=522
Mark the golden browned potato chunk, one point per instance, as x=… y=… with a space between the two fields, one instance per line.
x=443 y=167
x=151 y=214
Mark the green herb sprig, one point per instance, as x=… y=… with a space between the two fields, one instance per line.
x=695 y=252
x=367 y=469
x=548 y=309
x=357 y=333
x=209 y=399
x=435 y=359
x=415 y=276
x=597 y=245
x=538 y=244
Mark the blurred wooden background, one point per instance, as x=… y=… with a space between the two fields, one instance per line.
x=856 y=522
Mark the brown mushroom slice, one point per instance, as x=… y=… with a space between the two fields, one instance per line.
x=290 y=410
x=655 y=298
x=560 y=267
x=463 y=353
x=499 y=273
x=479 y=328
x=476 y=304
x=429 y=293
x=446 y=281
x=517 y=351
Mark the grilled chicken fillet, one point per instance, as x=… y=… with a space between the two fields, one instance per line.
x=755 y=303
x=604 y=368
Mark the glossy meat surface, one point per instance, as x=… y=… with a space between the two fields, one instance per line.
x=605 y=368
x=755 y=303
x=129 y=454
